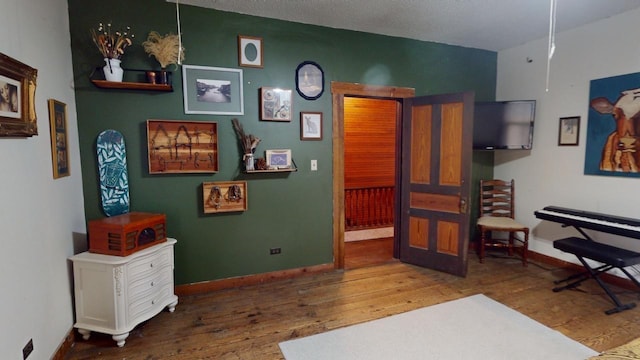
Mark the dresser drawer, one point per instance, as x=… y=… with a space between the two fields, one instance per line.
x=148 y=265
x=151 y=283
x=150 y=302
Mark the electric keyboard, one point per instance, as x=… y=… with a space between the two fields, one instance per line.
x=609 y=256
x=611 y=224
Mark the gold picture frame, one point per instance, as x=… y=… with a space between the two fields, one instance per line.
x=250 y=51
x=17 y=98
x=59 y=138
x=275 y=104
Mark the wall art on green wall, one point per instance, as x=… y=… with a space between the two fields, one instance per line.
x=212 y=90
x=250 y=51
x=275 y=104
x=309 y=80
x=224 y=196
x=182 y=146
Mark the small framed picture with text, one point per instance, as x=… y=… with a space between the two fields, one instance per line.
x=569 y=131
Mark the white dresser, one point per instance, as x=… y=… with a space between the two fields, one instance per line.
x=113 y=294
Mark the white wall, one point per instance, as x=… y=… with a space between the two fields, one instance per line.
x=552 y=174
x=38 y=215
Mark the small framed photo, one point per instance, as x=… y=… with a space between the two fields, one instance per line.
x=275 y=104
x=212 y=90
x=569 y=131
x=309 y=80
x=250 y=51
x=278 y=159
x=310 y=125
x=17 y=98
x=59 y=148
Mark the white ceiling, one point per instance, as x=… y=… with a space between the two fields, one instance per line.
x=483 y=24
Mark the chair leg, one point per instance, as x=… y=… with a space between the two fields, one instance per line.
x=481 y=245
x=525 y=248
x=510 y=244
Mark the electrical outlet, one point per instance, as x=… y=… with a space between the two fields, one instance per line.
x=314 y=165
x=27 y=349
x=274 y=251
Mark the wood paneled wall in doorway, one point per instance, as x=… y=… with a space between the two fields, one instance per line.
x=369 y=142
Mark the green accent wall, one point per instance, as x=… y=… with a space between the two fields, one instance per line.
x=292 y=211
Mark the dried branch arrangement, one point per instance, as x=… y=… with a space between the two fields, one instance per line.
x=111 y=43
x=166 y=49
x=248 y=142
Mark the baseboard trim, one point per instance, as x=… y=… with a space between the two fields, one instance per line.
x=214 y=285
x=65 y=346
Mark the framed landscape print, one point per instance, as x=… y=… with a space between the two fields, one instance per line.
x=59 y=149
x=212 y=90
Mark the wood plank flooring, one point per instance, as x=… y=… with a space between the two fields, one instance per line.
x=249 y=322
x=363 y=253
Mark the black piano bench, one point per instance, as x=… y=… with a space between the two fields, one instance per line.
x=610 y=256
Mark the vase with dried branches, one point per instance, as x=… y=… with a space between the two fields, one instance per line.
x=111 y=44
x=248 y=142
x=166 y=49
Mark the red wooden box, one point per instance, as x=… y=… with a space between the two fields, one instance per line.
x=125 y=234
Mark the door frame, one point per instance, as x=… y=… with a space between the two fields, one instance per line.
x=338 y=92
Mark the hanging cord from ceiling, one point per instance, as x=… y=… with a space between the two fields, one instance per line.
x=179 y=32
x=552 y=37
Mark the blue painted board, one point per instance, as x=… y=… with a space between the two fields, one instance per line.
x=112 y=168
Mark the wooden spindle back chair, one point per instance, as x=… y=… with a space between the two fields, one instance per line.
x=497 y=215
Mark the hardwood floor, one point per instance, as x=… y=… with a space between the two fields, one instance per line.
x=249 y=322
x=363 y=253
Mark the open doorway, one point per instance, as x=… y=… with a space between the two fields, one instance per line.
x=391 y=97
x=370 y=128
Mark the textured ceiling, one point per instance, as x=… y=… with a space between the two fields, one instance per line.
x=483 y=24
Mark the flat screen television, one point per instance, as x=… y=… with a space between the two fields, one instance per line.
x=503 y=125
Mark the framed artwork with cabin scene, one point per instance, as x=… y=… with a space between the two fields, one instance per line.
x=182 y=146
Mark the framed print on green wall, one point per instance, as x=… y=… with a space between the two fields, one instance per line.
x=212 y=90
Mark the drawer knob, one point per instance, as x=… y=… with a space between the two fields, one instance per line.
x=153 y=302
x=152 y=283
x=151 y=265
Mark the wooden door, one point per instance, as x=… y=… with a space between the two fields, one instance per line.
x=435 y=181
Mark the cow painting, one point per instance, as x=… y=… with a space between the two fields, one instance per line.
x=621 y=151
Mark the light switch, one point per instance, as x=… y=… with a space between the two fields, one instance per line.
x=314 y=165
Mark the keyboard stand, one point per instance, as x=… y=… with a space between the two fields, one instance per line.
x=610 y=256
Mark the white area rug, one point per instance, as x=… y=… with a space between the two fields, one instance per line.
x=474 y=327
